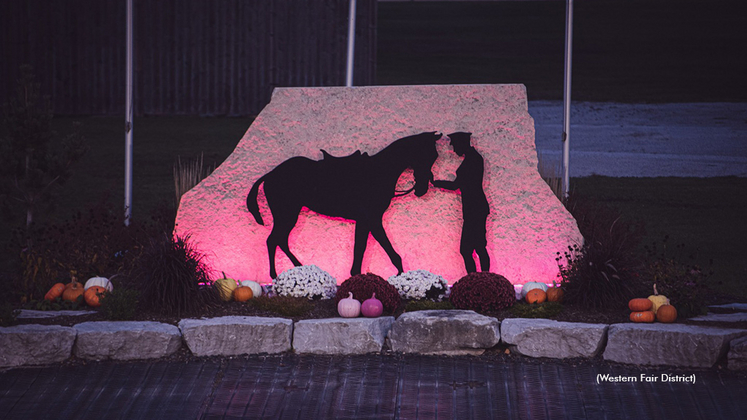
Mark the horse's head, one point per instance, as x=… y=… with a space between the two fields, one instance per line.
x=423 y=156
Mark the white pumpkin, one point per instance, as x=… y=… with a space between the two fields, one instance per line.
x=349 y=307
x=256 y=287
x=532 y=285
x=99 y=281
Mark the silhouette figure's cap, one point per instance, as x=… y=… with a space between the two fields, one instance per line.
x=460 y=137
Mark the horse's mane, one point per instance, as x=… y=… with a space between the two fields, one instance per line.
x=413 y=141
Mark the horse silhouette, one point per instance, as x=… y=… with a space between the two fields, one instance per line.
x=358 y=187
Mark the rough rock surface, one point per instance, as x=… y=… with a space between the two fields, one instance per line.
x=341 y=335
x=35 y=344
x=737 y=356
x=738 y=307
x=526 y=227
x=126 y=340
x=451 y=332
x=735 y=317
x=32 y=313
x=234 y=335
x=547 y=338
x=668 y=344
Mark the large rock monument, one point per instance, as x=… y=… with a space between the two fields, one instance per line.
x=527 y=224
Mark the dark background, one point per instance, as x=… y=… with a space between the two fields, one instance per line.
x=224 y=57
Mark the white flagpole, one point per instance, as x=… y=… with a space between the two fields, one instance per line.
x=351 y=45
x=128 y=119
x=567 y=98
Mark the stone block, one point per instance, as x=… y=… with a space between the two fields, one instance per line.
x=36 y=314
x=737 y=356
x=451 y=332
x=35 y=344
x=668 y=344
x=526 y=226
x=234 y=335
x=733 y=307
x=733 y=317
x=548 y=338
x=341 y=335
x=126 y=340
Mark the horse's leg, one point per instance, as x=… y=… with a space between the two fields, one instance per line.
x=361 y=240
x=377 y=230
x=271 y=247
x=284 y=246
x=282 y=224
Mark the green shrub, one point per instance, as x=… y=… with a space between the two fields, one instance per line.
x=93 y=242
x=536 y=310
x=287 y=306
x=601 y=273
x=173 y=277
x=57 y=305
x=591 y=279
x=120 y=304
x=427 y=305
x=7 y=314
x=685 y=285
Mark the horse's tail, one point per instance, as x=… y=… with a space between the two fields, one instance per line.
x=251 y=201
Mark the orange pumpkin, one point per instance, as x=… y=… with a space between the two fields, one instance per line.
x=642 y=316
x=73 y=292
x=666 y=313
x=536 y=296
x=640 y=305
x=554 y=293
x=93 y=294
x=55 y=292
x=242 y=293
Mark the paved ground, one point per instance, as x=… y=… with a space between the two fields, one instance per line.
x=644 y=140
x=365 y=387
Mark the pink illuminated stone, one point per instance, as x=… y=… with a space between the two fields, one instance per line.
x=526 y=227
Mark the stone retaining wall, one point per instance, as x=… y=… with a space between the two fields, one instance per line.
x=425 y=332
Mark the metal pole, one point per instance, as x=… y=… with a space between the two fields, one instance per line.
x=567 y=98
x=128 y=119
x=351 y=45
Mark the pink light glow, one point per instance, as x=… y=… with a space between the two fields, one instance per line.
x=526 y=227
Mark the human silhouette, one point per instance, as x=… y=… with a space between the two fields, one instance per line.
x=475 y=208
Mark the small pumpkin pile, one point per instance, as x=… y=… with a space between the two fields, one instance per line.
x=534 y=292
x=537 y=292
x=74 y=291
x=229 y=289
x=654 y=308
x=350 y=307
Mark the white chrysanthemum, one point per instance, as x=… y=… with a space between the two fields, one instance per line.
x=415 y=284
x=307 y=281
